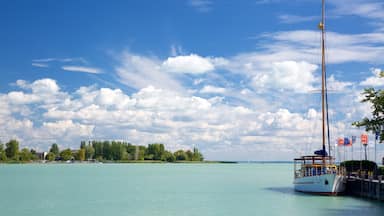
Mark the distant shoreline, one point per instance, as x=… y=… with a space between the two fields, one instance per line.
x=147 y=162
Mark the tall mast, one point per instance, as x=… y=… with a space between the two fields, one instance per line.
x=322 y=27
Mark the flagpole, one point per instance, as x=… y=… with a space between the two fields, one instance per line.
x=352 y=147
x=375 y=147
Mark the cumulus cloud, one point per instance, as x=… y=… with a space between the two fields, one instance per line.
x=138 y=71
x=375 y=80
x=188 y=64
x=334 y=85
x=289 y=75
x=151 y=115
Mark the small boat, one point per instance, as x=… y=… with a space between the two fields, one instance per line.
x=318 y=173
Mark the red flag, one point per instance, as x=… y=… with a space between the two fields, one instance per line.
x=340 y=141
x=364 y=139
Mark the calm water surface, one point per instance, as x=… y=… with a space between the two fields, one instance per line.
x=164 y=189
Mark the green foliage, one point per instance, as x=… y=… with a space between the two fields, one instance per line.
x=89 y=152
x=66 y=154
x=54 y=149
x=376 y=99
x=356 y=165
x=81 y=154
x=51 y=156
x=25 y=155
x=82 y=144
x=12 y=149
x=157 y=150
x=168 y=156
x=380 y=171
x=197 y=156
x=189 y=155
x=122 y=151
x=3 y=157
x=180 y=155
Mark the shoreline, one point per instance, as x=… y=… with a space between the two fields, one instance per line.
x=146 y=162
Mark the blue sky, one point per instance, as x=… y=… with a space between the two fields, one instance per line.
x=237 y=79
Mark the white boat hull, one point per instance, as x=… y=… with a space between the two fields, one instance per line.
x=331 y=184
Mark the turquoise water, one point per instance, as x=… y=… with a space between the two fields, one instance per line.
x=164 y=189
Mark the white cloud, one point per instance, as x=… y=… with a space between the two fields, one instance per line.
x=47 y=60
x=66 y=128
x=303 y=45
x=212 y=89
x=288 y=75
x=334 y=85
x=368 y=9
x=18 y=97
x=188 y=64
x=81 y=69
x=44 y=86
x=156 y=115
x=375 y=80
x=40 y=65
x=138 y=72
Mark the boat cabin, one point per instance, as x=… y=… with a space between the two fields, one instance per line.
x=314 y=165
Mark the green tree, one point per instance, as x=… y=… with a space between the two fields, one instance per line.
x=12 y=149
x=98 y=146
x=180 y=155
x=81 y=154
x=374 y=124
x=82 y=145
x=157 y=150
x=51 y=156
x=107 y=153
x=55 y=149
x=66 y=154
x=3 y=156
x=189 y=155
x=197 y=156
x=168 y=156
x=25 y=155
x=33 y=155
x=89 y=152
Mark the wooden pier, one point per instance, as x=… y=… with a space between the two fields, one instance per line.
x=365 y=187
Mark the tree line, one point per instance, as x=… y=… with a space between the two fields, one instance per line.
x=98 y=151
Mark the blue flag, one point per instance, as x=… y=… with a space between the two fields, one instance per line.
x=377 y=134
x=346 y=141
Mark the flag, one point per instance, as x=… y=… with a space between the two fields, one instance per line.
x=377 y=134
x=364 y=139
x=353 y=139
x=340 y=141
x=347 y=142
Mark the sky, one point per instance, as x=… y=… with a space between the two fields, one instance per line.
x=239 y=80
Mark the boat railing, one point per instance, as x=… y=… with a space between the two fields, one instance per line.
x=317 y=170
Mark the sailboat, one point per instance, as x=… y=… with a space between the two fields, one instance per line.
x=318 y=173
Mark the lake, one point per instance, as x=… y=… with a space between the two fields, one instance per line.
x=164 y=189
